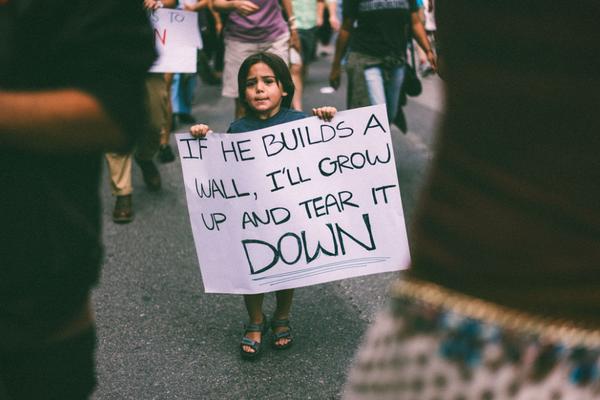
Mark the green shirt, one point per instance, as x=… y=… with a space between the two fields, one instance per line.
x=305 y=12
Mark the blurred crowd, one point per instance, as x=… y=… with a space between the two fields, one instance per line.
x=501 y=300
x=293 y=30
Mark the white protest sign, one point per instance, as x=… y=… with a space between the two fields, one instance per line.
x=296 y=204
x=175 y=59
x=177 y=38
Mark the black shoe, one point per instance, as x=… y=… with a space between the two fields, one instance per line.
x=150 y=174
x=186 y=118
x=123 y=212
x=165 y=154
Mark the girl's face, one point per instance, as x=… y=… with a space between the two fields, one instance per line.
x=264 y=92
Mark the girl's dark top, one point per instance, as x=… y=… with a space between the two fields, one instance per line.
x=382 y=26
x=250 y=123
x=511 y=213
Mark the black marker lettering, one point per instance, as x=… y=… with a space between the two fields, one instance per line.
x=293 y=250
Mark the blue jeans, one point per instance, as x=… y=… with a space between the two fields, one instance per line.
x=382 y=90
x=182 y=93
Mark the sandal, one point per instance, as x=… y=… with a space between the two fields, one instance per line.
x=276 y=336
x=253 y=344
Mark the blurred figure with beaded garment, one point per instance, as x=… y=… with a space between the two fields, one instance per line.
x=503 y=296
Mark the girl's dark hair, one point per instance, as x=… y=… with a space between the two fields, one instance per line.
x=280 y=69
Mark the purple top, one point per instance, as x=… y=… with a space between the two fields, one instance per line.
x=265 y=25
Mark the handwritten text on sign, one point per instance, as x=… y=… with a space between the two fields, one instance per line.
x=177 y=37
x=297 y=204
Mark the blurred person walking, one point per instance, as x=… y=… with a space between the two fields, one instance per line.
x=375 y=34
x=502 y=298
x=207 y=25
x=153 y=138
x=427 y=15
x=183 y=85
x=308 y=18
x=252 y=27
x=71 y=88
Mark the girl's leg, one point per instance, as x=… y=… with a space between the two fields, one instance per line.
x=253 y=304
x=284 y=304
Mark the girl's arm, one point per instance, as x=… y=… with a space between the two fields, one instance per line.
x=325 y=113
x=200 y=130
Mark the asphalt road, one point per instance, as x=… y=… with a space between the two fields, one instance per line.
x=162 y=337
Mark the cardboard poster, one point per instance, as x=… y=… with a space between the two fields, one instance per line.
x=177 y=39
x=296 y=204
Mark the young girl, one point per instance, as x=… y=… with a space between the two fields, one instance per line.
x=265 y=91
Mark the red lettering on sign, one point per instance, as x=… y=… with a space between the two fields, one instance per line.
x=163 y=38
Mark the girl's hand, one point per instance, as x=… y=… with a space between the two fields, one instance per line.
x=199 y=130
x=325 y=113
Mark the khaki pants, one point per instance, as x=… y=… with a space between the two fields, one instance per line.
x=120 y=165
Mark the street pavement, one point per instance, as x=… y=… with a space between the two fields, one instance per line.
x=162 y=337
